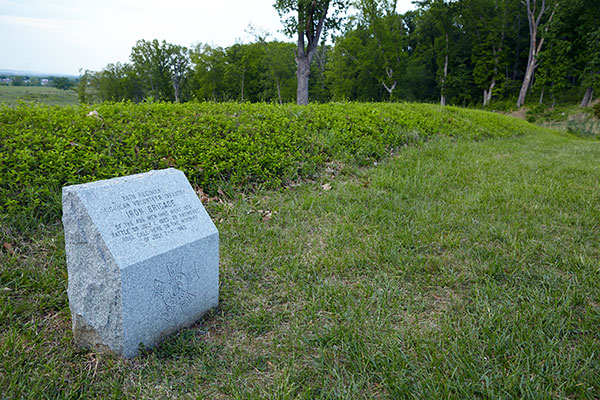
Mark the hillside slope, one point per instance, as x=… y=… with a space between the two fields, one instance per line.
x=229 y=147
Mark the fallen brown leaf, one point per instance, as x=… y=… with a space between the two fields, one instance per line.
x=203 y=197
x=8 y=247
x=169 y=161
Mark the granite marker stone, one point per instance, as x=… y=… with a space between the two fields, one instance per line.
x=142 y=259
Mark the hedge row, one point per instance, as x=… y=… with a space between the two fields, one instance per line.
x=43 y=148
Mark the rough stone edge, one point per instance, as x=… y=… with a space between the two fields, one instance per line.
x=94 y=326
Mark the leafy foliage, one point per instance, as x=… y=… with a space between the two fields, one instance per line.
x=307 y=21
x=116 y=82
x=455 y=52
x=62 y=83
x=302 y=16
x=237 y=147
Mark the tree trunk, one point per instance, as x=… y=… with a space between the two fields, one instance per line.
x=531 y=64
x=278 y=90
x=390 y=73
x=587 y=97
x=243 y=78
x=518 y=49
x=302 y=74
x=389 y=89
x=535 y=46
x=487 y=94
x=443 y=91
x=304 y=55
x=542 y=96
x=176 y=88
x=153 y=88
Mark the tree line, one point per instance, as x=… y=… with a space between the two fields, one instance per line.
x=463 y=52
x=60 y=82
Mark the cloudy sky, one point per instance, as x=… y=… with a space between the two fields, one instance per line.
x=64 y=36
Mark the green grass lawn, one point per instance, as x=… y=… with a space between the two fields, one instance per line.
x=11 y=95
x=456 y=269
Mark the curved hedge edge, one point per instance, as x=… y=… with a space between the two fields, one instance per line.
x=241 y=146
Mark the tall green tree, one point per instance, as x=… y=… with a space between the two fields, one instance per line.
x=118 y=82
x=86 y=88
x=308 y=20
x=586 y=45
x=420 y=81
x=63 y=83
x=554 y=62
x=179 y=67
x=162 y=67
x=209 y=65
x=18 y=81
x=386 y=29
x=443 y=14
x=570 y=59
x=260 y=71
x=280 y=65
x=487 y=22
x=243 y=70
x=348 y=76
x=591 y=60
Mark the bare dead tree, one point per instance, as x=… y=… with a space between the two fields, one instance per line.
x=534 y=17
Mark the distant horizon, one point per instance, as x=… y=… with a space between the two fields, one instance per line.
x=12 y=72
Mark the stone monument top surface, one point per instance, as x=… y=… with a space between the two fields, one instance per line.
x=142 y=215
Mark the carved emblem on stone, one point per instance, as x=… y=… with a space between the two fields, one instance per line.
x=175 y=291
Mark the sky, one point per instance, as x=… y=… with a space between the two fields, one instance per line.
x=69 y=36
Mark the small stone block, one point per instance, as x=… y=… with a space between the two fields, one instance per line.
x=142 y=259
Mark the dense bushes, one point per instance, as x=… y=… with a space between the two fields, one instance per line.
x=237 y=146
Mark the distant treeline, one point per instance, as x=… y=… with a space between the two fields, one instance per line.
x=25 y=80
x=463 y=52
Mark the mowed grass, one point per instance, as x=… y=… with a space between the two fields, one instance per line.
x=456 y=269
x=11 y=95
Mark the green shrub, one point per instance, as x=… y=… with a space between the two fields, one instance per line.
x=240 y=146
x=596 y=109
x=587 y=129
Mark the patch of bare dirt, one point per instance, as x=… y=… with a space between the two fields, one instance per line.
x=520 y=113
